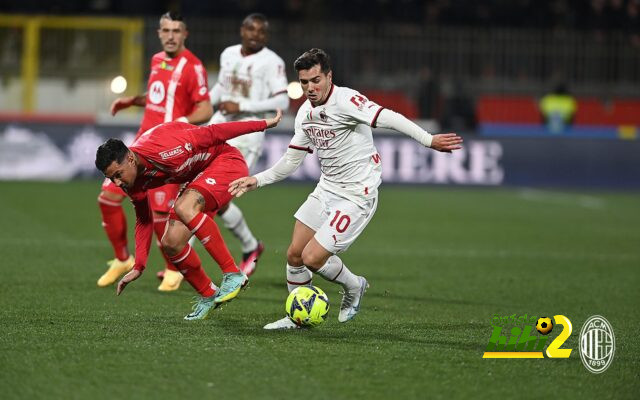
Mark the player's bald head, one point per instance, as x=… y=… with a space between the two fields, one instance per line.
x=256 y=17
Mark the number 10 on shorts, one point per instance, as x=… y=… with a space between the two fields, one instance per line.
x=340 y=222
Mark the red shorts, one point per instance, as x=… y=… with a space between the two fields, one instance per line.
x=213 y=182
x=161 y=199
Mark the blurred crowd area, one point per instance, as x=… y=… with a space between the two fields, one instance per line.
x=432 y=59
x=594 y=15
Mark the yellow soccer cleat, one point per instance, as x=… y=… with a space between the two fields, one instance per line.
x=171 y=281
x=232 y=283
x=116 y=269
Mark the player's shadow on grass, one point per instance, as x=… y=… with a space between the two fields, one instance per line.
x=362 y=334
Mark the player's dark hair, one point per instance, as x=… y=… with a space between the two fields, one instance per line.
x=173 y=16
x=313 y=57
x=110 y=151
x=256 y=17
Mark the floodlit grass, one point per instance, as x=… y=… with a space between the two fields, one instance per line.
x=441 y=262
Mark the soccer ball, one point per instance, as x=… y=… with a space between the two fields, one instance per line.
x=544 y=325
x=307 y=306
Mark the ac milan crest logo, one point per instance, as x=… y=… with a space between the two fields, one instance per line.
x=323 y=116
x=597 y=344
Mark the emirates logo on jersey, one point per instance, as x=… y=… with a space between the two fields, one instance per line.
x=156 y=92
x=320 y=137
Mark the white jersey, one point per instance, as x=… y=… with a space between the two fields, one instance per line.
x=251 y=78
x=340 y=132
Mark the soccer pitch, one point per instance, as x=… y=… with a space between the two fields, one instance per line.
x=441 y=263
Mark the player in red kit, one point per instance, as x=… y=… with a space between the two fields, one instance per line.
x=177 y=91
x=199 y=159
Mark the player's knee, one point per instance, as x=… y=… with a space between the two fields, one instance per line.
x=185 y=209
x=294 y=257
x=311 y=261
x=171 y=246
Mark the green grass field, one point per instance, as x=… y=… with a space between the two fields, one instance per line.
x=441 y=262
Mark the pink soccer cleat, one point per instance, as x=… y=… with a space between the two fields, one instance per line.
x=250 y=260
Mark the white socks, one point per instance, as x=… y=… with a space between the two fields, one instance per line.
x=298 y=276
x=334 y=270
x=234 y=221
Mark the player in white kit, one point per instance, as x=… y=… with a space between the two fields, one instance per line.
x=252 y=83
x=335 y=122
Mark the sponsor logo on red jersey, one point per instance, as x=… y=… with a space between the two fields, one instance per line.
x=176 y=151
x=156 y=92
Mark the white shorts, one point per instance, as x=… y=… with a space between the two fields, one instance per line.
x=250 y=145
x=337 y=221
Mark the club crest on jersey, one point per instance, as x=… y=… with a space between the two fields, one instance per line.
x=188 y=146
x=323 y=116
x=176 y=151
x=210 y=181
x=156 y=92
x=159 y=197
x=166 y=66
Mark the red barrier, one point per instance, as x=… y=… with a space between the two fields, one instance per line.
x=508 y=109
x=524 y=109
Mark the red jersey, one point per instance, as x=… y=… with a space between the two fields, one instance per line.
x=175 y=86
x=176 y=152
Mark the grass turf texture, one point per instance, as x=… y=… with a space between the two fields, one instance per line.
x=441 y=262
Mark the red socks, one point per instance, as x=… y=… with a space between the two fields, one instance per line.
x=207 y=231
x=191 y=267
x=158 y=226
x=114 y=223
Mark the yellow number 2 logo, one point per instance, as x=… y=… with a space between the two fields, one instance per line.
x=554 y=350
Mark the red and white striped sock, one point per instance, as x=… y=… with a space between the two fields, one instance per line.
x=114 y=223
x=206 y=230
x=190 y=266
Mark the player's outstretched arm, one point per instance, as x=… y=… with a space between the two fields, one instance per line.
x=272 y=122
x=126 y=102
x=243 y=185
x=285 y=166
x=446 y=142
x=143 y=235
x=228 y=130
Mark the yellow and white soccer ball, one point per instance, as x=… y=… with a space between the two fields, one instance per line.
x=307 y=306
x=544 y=325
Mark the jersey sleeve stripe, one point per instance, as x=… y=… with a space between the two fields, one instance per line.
x=279 y=92
x=308 y=150
x=375 y=118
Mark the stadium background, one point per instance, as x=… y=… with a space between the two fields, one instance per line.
x=537 y=230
